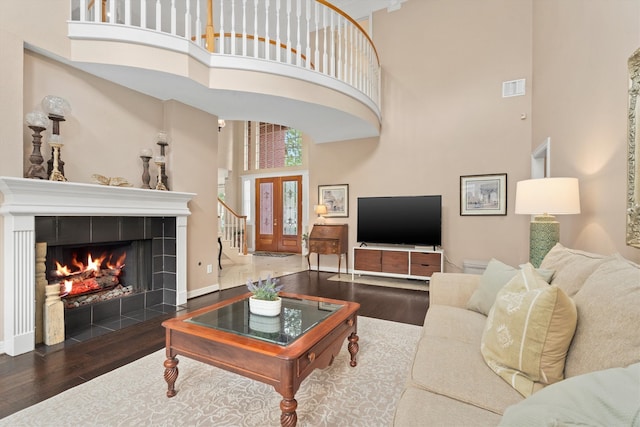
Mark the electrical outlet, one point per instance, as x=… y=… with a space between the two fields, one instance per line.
x=209 y=268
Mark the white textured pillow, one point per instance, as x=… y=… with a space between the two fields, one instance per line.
x=528 y=332
x=572 y=267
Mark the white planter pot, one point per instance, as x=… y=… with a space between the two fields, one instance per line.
x=265 y=308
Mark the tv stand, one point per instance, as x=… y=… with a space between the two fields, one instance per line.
x=405 y=263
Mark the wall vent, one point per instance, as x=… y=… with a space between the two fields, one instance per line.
x=513 y=88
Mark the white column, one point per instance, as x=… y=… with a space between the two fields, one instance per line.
x=19 y=284
x=181 y=259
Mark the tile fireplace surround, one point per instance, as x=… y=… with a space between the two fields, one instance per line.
x=25 y=199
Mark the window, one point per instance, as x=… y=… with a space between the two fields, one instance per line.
x=270 y=146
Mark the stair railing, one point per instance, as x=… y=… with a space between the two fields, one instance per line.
x=232 y=227
x=310 y=34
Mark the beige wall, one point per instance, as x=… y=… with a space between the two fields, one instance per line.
x=108 y=127
x=443 y=117
x=580 y=101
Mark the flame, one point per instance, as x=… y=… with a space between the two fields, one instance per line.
x=94 y=265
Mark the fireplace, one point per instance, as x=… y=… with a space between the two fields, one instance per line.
x=98 y=260
x=72 y=215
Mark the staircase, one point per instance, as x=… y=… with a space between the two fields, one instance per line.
x=232 y=231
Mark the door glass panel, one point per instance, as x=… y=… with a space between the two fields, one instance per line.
x=266 y=208
x=290 y=208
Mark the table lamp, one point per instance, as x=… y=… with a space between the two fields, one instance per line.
x=320 y=210
x=544 y=198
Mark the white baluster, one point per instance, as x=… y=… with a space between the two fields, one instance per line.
x=267 y=39
x=143 y=13
x=158 y=16
x=288 y=32
x=83 y=10
x=198 y=29
x=233 y=28
x=244 y=27
x=127 y=12
x=317 y=31
x=222 y=47
x=173 y=17
x=341 y=46
x=332 y=56
x=298 y=45
x=255 y=30
x=112 y=11
x=278 y=49
x=187 y=21
x=97 y=8
x=308 y=49
x=325 y=36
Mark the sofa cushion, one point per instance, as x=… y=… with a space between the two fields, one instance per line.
x=419 y=408
x=528 y=332
x=571 y=266
x=608 y=319
x=448 y=361
x=495 y=276
x=609 y=397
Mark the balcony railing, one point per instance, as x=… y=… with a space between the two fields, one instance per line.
x=309 y=34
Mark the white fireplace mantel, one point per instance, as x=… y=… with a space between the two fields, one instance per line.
x=25 y=199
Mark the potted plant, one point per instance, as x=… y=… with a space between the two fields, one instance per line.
x=265 y=300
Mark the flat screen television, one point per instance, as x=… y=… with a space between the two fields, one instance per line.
x=402 y=220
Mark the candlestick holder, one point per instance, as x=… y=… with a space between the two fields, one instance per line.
x=162 y=142
x=160 y=185
x=146 y=177
x=56 y=175
x=36 y=170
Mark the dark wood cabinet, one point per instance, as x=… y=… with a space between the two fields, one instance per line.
x=391 y=262
x=329 y=239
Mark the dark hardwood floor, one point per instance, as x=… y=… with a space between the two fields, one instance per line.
x=30 y=378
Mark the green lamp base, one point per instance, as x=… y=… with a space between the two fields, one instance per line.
x=544 y=233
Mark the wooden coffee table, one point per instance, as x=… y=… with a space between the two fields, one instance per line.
x=280 y=351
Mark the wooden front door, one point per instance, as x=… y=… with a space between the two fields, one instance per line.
x=278 y=214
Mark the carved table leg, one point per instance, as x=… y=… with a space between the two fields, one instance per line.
x=353 y=348
x=288 y=418
x=170 y=375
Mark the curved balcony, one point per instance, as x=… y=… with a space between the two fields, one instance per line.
x=301 y=63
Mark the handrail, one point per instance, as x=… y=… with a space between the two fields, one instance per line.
x=234 y=229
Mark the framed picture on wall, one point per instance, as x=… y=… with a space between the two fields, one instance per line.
x=483 y=194
x=336 y=199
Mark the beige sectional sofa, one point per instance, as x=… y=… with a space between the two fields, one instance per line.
x=450 y=384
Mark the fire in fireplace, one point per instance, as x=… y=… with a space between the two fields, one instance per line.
x=94 y=273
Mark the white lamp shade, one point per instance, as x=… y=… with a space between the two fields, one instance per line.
x=320 y=209
x=554 y=196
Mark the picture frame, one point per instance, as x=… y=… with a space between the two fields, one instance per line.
x=336 y=199
x=483 y=194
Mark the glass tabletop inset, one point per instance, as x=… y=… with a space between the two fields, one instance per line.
x=297 y=317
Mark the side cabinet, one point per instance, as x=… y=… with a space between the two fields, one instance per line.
x=397 y=262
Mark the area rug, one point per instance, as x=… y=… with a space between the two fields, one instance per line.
x=273 y=254
x=391 y=282
x=339 y=395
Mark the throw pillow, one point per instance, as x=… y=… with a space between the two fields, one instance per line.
x=602 y=398
x=572 y=267
x=496 y=275
x=609 y=307
x=528 y=332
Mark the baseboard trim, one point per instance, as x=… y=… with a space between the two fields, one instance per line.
x=203 y=291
